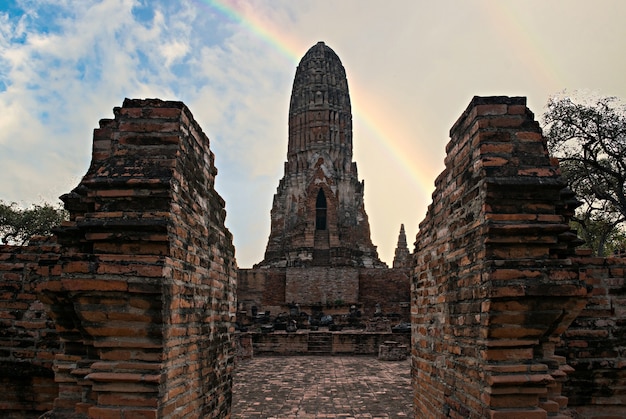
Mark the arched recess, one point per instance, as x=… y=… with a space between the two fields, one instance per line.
x=321 y=209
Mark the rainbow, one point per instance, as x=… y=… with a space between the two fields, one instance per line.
x=510 y=27
x=243 y=14
x=366 y=115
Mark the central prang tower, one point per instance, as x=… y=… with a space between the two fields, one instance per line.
x=318 y=216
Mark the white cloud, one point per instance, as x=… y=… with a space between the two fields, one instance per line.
x=61 y=82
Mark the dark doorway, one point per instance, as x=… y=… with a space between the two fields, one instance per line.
x=320 y=211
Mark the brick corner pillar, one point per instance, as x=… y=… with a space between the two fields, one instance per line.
x=493 y=287
x=146 y=288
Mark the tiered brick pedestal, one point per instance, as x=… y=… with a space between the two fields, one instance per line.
x=493 y=288
x=144 y=290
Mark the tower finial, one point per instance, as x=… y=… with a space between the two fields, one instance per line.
x=402 y=255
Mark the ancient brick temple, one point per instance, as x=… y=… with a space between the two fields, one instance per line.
x=319 y=249
x=128 y=311
x=318 y=216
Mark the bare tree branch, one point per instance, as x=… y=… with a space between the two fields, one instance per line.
x=589 y=138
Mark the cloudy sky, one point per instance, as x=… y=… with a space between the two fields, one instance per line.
x=412 y=68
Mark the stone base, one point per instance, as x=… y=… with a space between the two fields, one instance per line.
x=392 y=351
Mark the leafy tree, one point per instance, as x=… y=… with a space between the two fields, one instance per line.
x=18 y=225
x=589 y=138
x=600 y=234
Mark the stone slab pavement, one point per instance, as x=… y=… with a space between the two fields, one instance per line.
x=310 y=387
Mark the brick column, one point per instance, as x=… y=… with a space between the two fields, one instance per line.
x=147 y=287
x=493 y=288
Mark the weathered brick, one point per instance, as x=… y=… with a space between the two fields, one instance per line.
x=482 y=274
x=85 y=284
x=518 y=414
x=105 y=413
x=131 y=226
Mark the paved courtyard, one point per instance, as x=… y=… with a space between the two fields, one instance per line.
x=322 y=387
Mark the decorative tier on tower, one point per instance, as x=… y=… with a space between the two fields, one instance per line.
x=318 y=217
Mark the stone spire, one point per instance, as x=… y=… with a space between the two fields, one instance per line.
x=402 y=257
x=318 y=217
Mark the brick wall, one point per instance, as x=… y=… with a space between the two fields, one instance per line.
x=279 y=343
x=388 y=287
x=595 y=343
x=28 y=339
x=493 y=289
x=273 y=288
x=322 y=284
x=146 y=292
x=260 y=288
x=347 y=343
x=340 y=343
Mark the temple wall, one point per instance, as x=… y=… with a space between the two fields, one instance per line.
x=322 y=284
x=273 y=288
x=493 y=288
x=390 y=288
x=345 y=343
x=260 y=288
x=145 y=291
x=595 y=343
x=28 y=339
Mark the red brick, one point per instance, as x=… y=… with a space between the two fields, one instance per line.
x=487 y=264
x=141 y=414
x=76 y=284
x=518 y=414
x=105 y=413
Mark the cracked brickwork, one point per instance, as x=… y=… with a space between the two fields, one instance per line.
x=28 y=338
x=595 y=343
x=145 y=285
x=318 y=216
x=493 y=288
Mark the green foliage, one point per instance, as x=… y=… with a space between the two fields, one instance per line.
x=601 y=236
x=589 y=138
x=616 y=245
x=18 y=225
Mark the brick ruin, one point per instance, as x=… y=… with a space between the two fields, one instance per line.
x=318 y=216
x=319 y=252
x=595 y=343
x=129 y=310
x=141 y=286
x=29 y=341
x=497 y=283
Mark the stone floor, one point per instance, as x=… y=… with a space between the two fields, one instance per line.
x=322 y=387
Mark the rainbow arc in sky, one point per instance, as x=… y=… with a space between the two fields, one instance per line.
x=365 y=114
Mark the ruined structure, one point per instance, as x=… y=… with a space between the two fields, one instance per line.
x=29 y=340
x=494 y=286
x=402 y=256
x=319 y=251
x=594 y=344
x=318 y=216
x=141 y=286
x=127 y=311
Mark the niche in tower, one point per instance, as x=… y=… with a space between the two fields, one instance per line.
x=320 y=211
